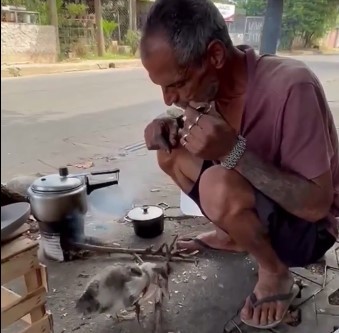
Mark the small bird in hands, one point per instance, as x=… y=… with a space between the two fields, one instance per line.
x=120 y=287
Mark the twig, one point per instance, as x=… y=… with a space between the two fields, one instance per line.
x=171 y=247
x=147 y=252
x=181 y=254
x=158 y=312
x=161 y=248
x=158 y=317
x=138 y=259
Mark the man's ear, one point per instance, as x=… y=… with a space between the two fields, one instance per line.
x=216 y=52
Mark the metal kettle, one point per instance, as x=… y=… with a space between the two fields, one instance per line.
x=61 y=196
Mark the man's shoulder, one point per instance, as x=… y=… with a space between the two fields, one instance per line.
x=280 y=74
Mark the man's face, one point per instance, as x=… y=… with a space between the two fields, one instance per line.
x=180 y=86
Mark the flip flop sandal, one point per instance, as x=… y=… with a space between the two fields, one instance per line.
x=295 y=291
x=201 y=246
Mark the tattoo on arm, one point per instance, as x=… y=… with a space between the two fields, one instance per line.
x=295 y=194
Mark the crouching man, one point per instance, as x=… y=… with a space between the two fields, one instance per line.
x=257 y=149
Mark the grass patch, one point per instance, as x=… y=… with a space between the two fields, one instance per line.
x=109 y=56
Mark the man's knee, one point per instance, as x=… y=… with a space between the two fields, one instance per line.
x=224 y=193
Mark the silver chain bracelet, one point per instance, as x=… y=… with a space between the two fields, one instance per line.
x=232 y=159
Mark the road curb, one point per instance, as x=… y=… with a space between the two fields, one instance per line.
x=308 y=52
x=30 y=70
x=21 y=70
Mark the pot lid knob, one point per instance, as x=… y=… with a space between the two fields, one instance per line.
x=63 y=172
x=144 y=213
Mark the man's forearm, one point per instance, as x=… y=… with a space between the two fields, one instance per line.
x=297 y=195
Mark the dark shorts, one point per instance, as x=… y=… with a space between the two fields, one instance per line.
x=297 y=242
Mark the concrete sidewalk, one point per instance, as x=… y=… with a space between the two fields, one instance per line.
x=18 y=70
x=204 y=297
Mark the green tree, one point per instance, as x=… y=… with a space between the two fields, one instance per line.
x=253 y=7
x=39 y=6
x=306 y=19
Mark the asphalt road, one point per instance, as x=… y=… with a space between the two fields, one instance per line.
x=52 y=120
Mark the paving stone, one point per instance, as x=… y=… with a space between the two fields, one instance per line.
x=307 y=275
x=323 y=307
x=331 y=256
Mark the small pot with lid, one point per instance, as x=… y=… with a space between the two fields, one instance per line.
x=61 y=196
x=148 y=221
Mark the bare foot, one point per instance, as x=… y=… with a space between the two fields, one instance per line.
x=216 y=240
x=269 y=285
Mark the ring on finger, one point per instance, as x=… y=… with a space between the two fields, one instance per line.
x=208 y=109
x=198 y=118
x=185 y=137
x=191 y=126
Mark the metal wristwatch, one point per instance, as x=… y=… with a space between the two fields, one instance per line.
x=232 y=159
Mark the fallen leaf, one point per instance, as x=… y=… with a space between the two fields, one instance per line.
x=85 y=165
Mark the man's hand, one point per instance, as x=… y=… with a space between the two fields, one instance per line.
x=207 y=135
x=162 y=134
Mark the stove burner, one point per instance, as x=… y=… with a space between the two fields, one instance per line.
x=60 y=240
x=57 y=236
x=51 y=246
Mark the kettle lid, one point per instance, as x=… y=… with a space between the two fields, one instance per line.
x=56 y=183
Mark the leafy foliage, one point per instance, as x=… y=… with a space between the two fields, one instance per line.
x=108 y=28
x=132 y=39
x=76 y=9
x=253 y=7
x=306 y=19
x=309 y=19
x=39 y=6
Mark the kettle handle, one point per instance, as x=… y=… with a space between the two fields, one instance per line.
x=105 y=172
x=96 y=186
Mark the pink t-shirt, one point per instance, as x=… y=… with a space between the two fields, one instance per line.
x=287 y=120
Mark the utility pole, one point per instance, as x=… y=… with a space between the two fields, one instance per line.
x=53 y=20
x=272 y=26
x=99 y=30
